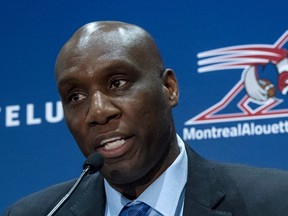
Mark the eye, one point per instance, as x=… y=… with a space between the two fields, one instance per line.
x=118 y=83
x=76 y=97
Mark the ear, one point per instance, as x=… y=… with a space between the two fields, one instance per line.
x=170 y=86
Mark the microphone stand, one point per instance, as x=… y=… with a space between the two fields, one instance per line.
x=93 y=164
x=85 y=171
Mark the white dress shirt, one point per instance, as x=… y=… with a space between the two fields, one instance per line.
x=165 y=195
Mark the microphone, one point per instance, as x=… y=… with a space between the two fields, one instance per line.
x=92 y=164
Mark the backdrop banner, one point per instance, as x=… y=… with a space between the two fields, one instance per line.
x=230 y=59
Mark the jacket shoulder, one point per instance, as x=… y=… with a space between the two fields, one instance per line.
x=237 y=189
x=263 y=190
x=40 y=202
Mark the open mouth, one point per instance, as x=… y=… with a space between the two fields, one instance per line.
x=112 y=143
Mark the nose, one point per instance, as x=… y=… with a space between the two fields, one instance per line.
x=101 y=110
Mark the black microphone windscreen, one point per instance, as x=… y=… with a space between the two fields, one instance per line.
x=95 y=161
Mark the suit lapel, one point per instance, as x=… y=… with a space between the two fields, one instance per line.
x=90 y=198
x=203 y=191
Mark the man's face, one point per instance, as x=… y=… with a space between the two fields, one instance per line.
x=116 y=103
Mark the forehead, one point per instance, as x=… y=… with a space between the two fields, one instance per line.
x=93 y=49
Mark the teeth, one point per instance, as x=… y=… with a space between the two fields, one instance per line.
x=115 y=144
x=112 y=143
x=103 y=142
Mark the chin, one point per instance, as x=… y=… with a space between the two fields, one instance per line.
x=125 y=177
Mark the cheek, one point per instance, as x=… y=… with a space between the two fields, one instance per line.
x=150 y=115
x=156 y=107
x=153 y=110
x=71 y=121
x=148 y=101
x=75 y=125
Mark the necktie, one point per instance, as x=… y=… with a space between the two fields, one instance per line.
x=138 y=209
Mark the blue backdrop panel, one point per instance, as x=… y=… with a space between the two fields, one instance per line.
x=220 y=50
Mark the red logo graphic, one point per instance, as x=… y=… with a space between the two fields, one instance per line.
x=253 y=97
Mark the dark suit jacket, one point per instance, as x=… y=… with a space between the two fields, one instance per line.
x=212 y=189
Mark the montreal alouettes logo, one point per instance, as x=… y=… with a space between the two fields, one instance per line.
x=263 y=86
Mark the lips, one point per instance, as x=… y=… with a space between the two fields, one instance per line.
x=112 y=143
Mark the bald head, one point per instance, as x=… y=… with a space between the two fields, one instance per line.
x=106 y=37
x=117 y=99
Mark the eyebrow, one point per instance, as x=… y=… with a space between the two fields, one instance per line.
x=67 y=80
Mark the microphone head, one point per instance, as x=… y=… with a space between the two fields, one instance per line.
x=95 y=162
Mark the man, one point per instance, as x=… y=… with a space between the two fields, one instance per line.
x=117 y=98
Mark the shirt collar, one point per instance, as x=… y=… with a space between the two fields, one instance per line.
x=163 y=195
